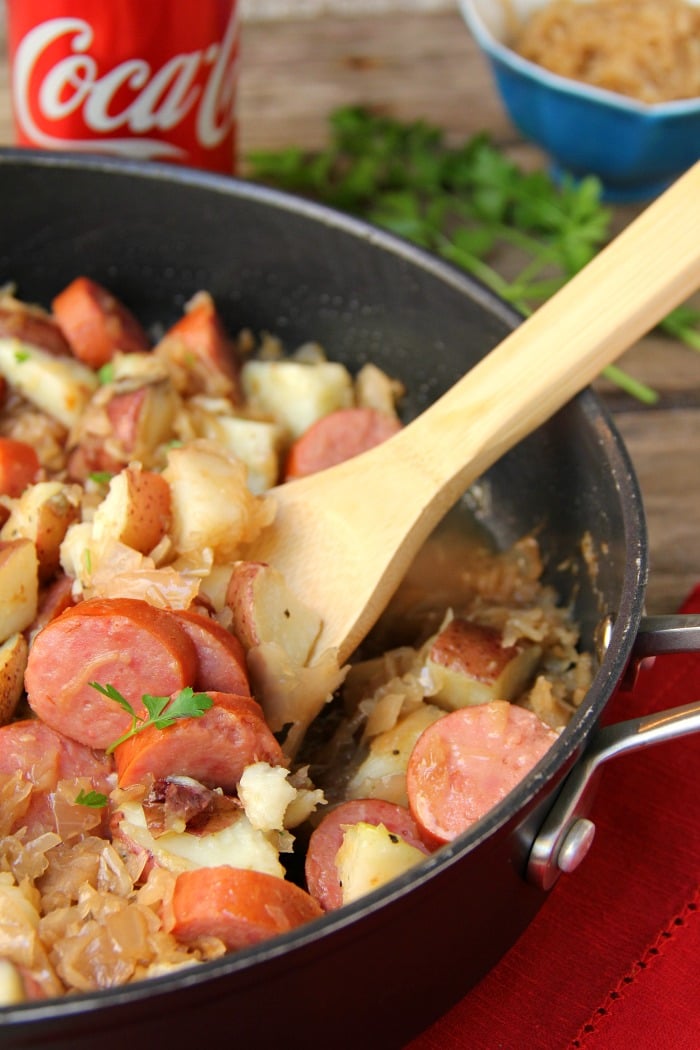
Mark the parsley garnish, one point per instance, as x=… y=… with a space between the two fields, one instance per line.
x=466 y=203
x=105 y=374
x=101 y=477
x=94 y=799
x=163 y=711
x=21 y=356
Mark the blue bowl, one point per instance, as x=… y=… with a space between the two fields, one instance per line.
x=635 y=149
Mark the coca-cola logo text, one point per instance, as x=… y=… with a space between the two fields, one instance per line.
x=158 y=99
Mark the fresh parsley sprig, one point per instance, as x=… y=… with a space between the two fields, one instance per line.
x=93 y=799
x=163 y=711
x=517 y=231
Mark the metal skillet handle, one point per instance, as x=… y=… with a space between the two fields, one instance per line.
x=567 y=834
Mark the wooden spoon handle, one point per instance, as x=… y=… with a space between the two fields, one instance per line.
x=628 y=288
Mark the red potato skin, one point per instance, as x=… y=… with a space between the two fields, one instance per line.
x=472 y=649
x=33 y=326
x=124 y=413
x=336 y=437
x=44 y=757
x=95 y=324
x=213 y=749
x=201 y=332
x=238 y=906
x=88 y=458
x=465 y=763
x=124 y=642
x=320 y=870
x=220 y=655
x=55 y=598
x=150 y=494
x=19 y=466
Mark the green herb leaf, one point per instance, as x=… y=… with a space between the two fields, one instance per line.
x=94 y=799
x=163 y=711
x=101 y=477
x=114 y=694
x=105 y=374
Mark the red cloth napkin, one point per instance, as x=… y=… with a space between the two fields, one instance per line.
x=612 y=960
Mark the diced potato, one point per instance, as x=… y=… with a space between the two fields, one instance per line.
x=467 y=664
x=136 y=510
x=382 y=774
x=296 y=394
x=60 y=386
x=375 y=389
x=13 y=663
x=210 y=502
x=265 y=793
x=19 y=586
x=238 y=844
x=11 y=984
x=214 y=587
x=265 y=610
x=370 y=856
x=43 y=513
x=255 y=442
x=141 y=420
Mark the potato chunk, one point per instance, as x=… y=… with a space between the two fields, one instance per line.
x=265 y=610
x=371 y=855
x=467 y=664
x=19 y=586
x=43 y=513
x=59 y=386
x=382 y=774
x=13 y=663
x=211 y=504
x=136 y=510
x=296 y=394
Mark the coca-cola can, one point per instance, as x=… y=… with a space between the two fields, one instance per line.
x=152 y=79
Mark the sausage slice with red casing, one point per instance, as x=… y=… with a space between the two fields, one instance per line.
x=220 y=655
x=466 y=762
x=214 y=748
x=44 y=757
x=96 y=324
x=320 y=870
x=123 y=642
x=238 y=906
x=336 y=437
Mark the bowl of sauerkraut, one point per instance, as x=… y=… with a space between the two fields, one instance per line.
x=609 y=88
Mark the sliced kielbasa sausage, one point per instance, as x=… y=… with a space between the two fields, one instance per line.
x=122 y=642
x=320 y=868
x=465 y=763
x=213 y=748
x=239 y=906
x=44 y=757
x=96 y=324
x=336 y=437
x=220 y=655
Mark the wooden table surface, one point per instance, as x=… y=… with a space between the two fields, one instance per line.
x=414 y=65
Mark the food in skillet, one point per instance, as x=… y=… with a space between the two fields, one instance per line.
x=181 y=774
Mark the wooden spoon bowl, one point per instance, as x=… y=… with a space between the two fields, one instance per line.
x=345 y=537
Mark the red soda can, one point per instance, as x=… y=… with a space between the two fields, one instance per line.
x=152 y=79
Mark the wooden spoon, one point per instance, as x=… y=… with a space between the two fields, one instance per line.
x=344 y=538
